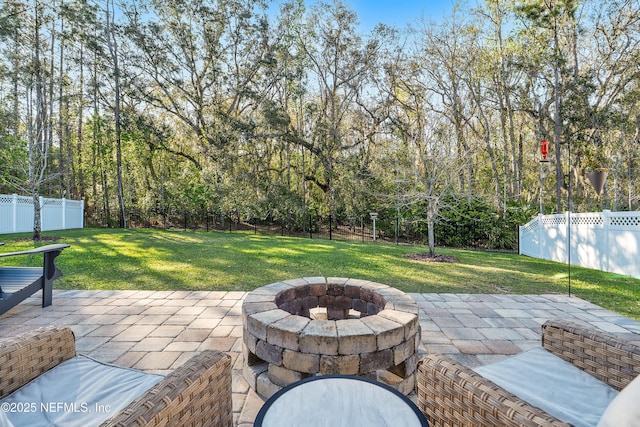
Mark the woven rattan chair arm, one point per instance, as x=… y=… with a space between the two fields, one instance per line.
x=612 y=359
x=29 y=355
x=196 y=394
x=450 y=394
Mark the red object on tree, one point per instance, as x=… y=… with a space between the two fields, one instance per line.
x=544 y=149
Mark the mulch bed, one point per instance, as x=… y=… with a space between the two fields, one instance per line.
x=435 y=258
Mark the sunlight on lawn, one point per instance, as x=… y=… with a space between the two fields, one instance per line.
x=173 y=266
x=176 y=260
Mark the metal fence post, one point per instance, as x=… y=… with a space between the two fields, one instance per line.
x=397 y=229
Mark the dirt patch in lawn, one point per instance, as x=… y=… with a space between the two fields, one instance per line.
x=435 y=258
x=42 y=239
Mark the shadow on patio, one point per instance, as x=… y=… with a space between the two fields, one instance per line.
x=156 y=331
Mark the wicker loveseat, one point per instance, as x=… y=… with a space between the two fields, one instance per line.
x=197 y=393
x=450 y=394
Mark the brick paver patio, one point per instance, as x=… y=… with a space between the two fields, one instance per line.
x=157 y=331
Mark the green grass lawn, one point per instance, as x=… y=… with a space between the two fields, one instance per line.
x=165 y=260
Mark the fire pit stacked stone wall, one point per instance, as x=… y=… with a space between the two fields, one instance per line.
x=319 y=326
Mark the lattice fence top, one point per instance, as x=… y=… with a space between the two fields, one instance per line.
x=587 y=219
x=24 y=200
x=625 y=220
x=551 y=220
x=530 y=227
x=592 y=219
x=8 y=199
x=52 y=202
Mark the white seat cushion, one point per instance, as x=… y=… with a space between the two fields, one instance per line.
x=624 y=410
x=78 y=392
x=549 y=383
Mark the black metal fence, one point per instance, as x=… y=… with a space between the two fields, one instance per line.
x=309 y=225
x=467 y=234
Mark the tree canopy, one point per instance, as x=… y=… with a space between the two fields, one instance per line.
x=273 y=112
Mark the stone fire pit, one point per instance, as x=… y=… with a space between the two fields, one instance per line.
x=319 y=326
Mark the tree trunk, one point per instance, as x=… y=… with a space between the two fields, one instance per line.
x=113 y=49
x=432 y=213
x=37 y=214
x=79 y=173
x=63 y=176
x=36 y=140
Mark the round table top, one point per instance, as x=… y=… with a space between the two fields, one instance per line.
x=339 y=400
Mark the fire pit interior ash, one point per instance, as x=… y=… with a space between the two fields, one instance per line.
x=319 y=326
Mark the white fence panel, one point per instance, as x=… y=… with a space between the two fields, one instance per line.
x=74 y=217
x=16 y=214
x=624 y=243
x=6 y=214
x=52 y=214
x=607 y=241
x=23 y=214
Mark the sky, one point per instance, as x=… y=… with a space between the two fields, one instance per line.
x=398 y=12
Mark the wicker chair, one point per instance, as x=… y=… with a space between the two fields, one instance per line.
x=197 y=393
x=450 y=394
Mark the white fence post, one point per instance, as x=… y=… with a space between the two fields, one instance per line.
x=41 y=206
x=14 y=226
x=540 y=236
x=604 y=250
x=64 y=213
x=568 y=235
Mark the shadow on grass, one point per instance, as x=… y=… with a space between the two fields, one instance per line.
x=170 y=260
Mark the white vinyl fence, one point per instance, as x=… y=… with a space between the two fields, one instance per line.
x=16 y=214
x=607 y=241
